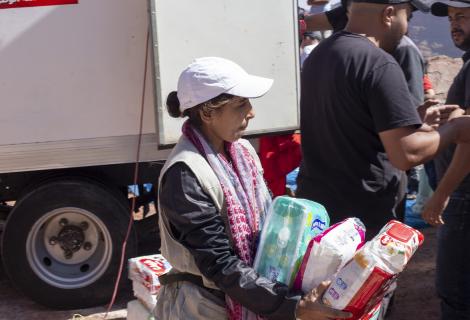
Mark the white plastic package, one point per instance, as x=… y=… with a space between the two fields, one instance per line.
x=362 y=283
x=328 y=252
x=147 y=269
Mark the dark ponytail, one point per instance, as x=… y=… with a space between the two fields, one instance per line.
x=173 y=105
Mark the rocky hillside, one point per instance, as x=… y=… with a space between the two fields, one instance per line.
x=442 y=70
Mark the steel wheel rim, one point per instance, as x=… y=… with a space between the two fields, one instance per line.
x=48 y=261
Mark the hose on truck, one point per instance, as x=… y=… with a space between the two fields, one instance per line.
x=136 y=174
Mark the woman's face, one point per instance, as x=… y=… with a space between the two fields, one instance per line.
x=229 y=122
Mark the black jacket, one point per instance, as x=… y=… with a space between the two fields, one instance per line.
x=197 y=225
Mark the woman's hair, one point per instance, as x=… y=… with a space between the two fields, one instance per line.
x=173 y=106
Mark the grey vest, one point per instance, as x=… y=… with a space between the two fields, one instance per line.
x=179 y=257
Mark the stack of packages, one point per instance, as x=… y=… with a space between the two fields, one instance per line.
x=297 y=251
x=144 y=272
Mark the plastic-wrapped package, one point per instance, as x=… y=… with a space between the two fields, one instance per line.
x=147 y=269
x=373 y=314
x=328 y=252
x=362 y=283
x=290 y=225
x=142 y=293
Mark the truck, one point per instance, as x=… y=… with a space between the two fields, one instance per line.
x=83 y=85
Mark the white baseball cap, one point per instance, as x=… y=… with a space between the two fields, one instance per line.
x=208 y=77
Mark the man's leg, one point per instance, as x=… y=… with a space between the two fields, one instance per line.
x=453 y=261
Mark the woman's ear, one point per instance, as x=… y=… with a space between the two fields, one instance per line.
x=387 y=15
x=205 y=114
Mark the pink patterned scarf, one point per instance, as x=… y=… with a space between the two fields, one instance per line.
x=247 y=200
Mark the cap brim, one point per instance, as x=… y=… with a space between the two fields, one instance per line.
x=251 y=87
x=439 y=8
x=420 y=5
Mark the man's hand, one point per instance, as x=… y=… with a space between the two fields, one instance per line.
x=433 y=209
x=456 y=113
x=435 y=115
x=310 y=306
x=425 y=106
x=447 y=111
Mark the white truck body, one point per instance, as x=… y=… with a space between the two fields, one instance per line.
x=72 y=75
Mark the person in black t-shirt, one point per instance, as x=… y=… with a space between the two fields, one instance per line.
x=411 y=62
x=359 y=127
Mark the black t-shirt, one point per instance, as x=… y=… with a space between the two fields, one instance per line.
x=407 y=55
x=459 y=93
x=351 y=91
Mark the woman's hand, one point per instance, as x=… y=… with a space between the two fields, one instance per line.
x=433 y=209
x=310 y=306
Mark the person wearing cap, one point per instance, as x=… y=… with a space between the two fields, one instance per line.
x=449 y=206
x=360 y=128
x=310 y=39
x=212 y=205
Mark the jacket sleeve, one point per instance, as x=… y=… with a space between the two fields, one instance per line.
x=196 y=224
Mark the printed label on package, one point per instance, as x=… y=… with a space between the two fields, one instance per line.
x=8 y=4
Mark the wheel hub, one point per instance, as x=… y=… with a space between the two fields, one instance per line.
x=70 y=239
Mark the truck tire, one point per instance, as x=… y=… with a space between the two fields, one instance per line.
x=62 y=243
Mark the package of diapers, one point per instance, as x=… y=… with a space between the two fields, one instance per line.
x=328 y=252
x=290 y=225
x=146 y=269
x=373 y=314
x=361 y=284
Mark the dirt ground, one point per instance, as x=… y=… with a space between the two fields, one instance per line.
x=15 y=306
x=415 y=296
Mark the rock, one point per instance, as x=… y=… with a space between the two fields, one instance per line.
x=441 y=71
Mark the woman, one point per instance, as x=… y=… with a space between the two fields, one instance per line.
x=212 y=204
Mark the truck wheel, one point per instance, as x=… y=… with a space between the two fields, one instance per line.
x=62 y=243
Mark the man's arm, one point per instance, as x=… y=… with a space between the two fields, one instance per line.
x=458 y=169
x=317 y=2
x=408 y=147
x=317 y=22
